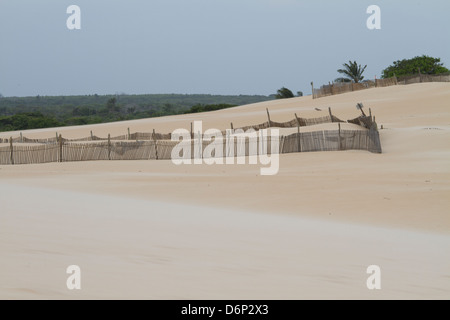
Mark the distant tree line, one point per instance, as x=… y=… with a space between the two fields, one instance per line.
x=209 y=107
x=27 y=120
x=21 y=113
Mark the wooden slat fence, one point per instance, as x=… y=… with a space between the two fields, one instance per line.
x=343 y=87
x=155 y=146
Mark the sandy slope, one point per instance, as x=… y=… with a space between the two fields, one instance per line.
x=150 y=229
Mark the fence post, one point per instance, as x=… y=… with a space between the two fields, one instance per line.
x=331 y=115
x=12 y=150
x=192 y=134
x=21 y=137
x=298 y=120
x=231 y=123
x=57 y=137
x=268 y=116
x=109 y=146
x=339 y=136
x=312 y=89
x=156 y=144
x=60 y=148
x=92 y=136
x=299 y=146
x=128 y=133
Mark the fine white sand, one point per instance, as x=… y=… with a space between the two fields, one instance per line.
x=129 y=248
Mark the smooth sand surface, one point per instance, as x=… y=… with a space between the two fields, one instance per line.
x=128 y=248
x=150 y=229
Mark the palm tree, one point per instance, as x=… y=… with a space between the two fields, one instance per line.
x=353 y=71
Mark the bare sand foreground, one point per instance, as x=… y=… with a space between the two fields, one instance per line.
x=153 y=230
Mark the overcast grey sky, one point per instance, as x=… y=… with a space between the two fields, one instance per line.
x=207 y=46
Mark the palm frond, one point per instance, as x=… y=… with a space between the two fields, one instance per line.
x=353 y=71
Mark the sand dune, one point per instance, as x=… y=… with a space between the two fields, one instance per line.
x=399 y=106
x=150 y=229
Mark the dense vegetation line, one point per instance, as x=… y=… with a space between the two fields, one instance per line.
x=22 y=113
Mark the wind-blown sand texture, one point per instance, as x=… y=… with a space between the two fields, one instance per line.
x=153 y=230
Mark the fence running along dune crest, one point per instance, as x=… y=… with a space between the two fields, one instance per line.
x=157 y=146
x=343 y=87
